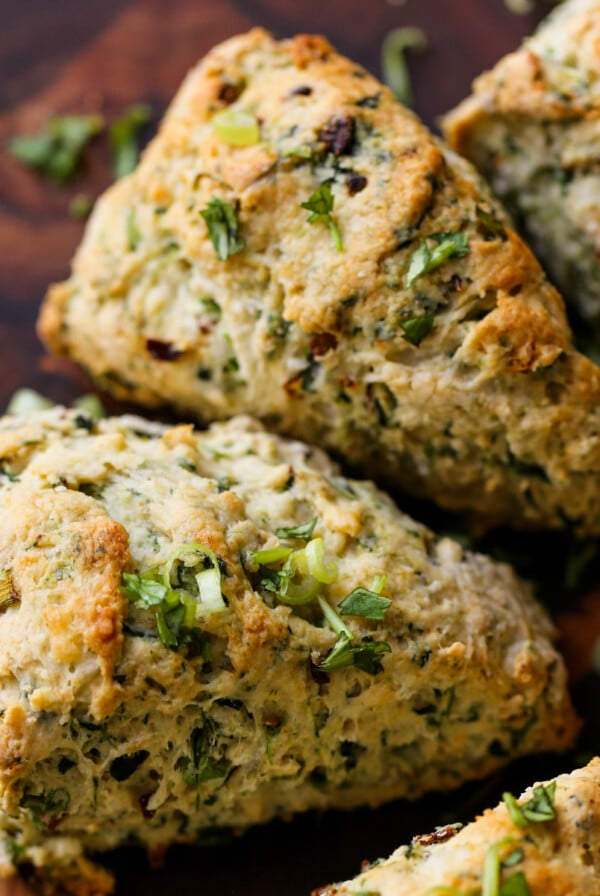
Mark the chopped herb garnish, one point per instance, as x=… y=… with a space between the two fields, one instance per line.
x=367 y=604
x=178 y=592
x=56 y=152
x=320 y=205
x=91 y=406
x=415 y=329
x=45 y=808
x=303 y=531
x=81 y=206
x=223 y=228
x=366 y=656
x=393 y=61
x=27 y=401
x=133 y=232
x=123 y=138
x=539 y=808
x=424 y=260
x=515 y=885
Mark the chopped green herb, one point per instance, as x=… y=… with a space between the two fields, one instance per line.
x=81 y=206
x=91 y=406
x=236 y=127
x=178 y=592
x=393 y=61
x=271 y=555
x=304 y=531
x=515 y=885
x=320 y=204
x=123 y=138
x=45 y=808
x=133 y=233
x=367 y=604
x=424 y=260
x=223 y=228
x=27 y=401
x=539 y=808
x=56 y=152
x=415 y=329
x=200 y=766
x=366 y=656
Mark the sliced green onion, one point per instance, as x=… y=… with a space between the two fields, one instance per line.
x=379 y=583
x=335 y=622
x=192 y=550
x=209 y=586
x=236 y=127
x=271 y=555
x=514 y=810
x=91 y=406
x=299 y=587
x=393 y=60
x=491 y=872
x=27 y=401
x=315 y=555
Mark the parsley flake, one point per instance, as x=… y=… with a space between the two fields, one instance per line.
x=123 y=138
x=424 y=260
x=320 y=204
x=366 y=656
x=365 y=603
x=56 y=151
x=415 y=329
x=223 y=228
x=539 y=808
x=303 y=531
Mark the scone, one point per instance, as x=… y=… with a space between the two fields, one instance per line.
x=208 y=630
x=295 y=244
x=532 y=127
x=546 y=843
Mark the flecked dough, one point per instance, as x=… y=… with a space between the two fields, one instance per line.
x=125 y=720
x=398 y=320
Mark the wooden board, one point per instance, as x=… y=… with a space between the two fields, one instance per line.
x=100 y=56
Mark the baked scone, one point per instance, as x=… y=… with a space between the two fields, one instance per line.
x=546 y=844
x=211 y=629
x=347 y=279
x=532 y=127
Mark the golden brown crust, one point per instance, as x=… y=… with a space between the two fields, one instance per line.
x=558 y=858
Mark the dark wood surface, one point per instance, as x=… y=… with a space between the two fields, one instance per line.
x=100 y=56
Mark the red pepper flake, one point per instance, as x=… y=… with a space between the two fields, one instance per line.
x=321 y=343
x=162 y=351
x=440 y=835
x=338 y=134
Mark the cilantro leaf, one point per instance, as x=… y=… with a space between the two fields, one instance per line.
x=145 y=590
x=539 y=808
x=56 y=151
x=123 y=138
x=223 y=228
x=515 y=885
x=365 y=603
x=366 y=656
x=424 y=260
x=320 y=204
x=415 y=329
x=304 y=531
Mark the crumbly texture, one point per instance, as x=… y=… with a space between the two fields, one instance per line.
x=532 y=127
x=560 y=857
x=108 y=736
x=461 y=386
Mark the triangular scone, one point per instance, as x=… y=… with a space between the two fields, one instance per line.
x=532 y=127
x=406 y=327
x=208 y=630
x=557 y=855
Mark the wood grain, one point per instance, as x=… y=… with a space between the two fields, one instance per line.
x=100 y=56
